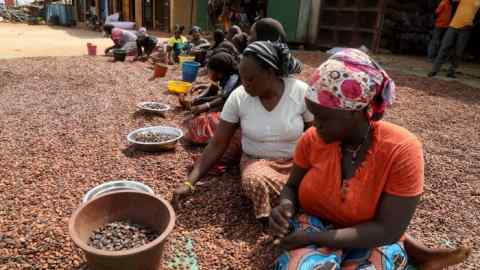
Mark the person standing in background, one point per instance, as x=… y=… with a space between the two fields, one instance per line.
x=456 y=37
x=443 y=15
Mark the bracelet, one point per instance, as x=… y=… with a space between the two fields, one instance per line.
x=208 y=105
x=189 y=185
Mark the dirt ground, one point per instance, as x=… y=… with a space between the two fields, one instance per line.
x=63 y=130
x=22 y=40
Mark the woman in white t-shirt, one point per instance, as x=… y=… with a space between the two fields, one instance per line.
x=271 y=112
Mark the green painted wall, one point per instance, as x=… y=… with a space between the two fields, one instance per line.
x=202 y=13
x=286 y=12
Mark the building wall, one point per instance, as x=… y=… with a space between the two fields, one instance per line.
x=138 y=13
x=125 y=9
x=183 y=13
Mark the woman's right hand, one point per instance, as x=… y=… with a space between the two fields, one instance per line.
x=180 y=193
x=280 y=216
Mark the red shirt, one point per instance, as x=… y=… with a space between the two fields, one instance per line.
x=394 y=165
x=444 y=14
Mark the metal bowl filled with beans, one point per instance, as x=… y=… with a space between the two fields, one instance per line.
x=153 y=139
x=153 y=107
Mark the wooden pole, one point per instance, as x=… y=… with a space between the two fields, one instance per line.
x=45 y=5
x=191 y=13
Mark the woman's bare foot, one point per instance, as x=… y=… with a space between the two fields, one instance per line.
x=442 y=258
x=434 y=258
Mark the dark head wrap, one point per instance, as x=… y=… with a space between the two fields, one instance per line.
x=179 y=28
x=275 y=55
x=195 y=29
x=224 y=63
x=228 y=47
x=218 y=37
x=107 y=28
x=240 y=41
x=269 y=29
x=234 y=30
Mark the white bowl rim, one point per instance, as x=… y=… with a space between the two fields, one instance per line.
x=140 y=106
x=179 y=134
x=110 y=185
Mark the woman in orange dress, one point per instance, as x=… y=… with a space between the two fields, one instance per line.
x=356 y=181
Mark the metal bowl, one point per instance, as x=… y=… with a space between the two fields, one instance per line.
x=156 y=146
x=142 y=106
x=116 y=185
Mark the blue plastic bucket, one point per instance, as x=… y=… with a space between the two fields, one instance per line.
x=190 y=71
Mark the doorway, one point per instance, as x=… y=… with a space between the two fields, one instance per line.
x=132 y=10
x=80 y=10
x=147 y=13
x=162 y=15
x=119 y=5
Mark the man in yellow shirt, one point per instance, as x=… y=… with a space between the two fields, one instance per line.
x=456 y=37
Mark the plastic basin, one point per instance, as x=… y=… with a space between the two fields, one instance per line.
x=183 y=58
x=178 y=87
x=190 y=71
x=119 y=55
x=160 y=70
x=138 y=207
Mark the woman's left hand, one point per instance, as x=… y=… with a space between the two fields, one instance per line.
x=296 y=240
x=199 y=109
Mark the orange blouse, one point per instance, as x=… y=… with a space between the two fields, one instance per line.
x=394 y=165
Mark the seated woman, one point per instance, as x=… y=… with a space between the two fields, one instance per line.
x=222 y=68
x=122 y=39
x=221 y=44
x=176 y=45
x=240 y=41
x=270 y=111
x=199 y=45
x=145 y=44
x=356 y=181
x=269 y=29
x=197 y=39
x=232 y=31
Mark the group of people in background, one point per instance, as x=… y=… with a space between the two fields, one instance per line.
x=454 y=21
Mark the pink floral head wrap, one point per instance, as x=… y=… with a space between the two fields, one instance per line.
x=351 y=80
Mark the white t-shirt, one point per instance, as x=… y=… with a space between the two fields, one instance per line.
x=271 y=134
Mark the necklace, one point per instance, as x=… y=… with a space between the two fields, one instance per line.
x=345 y=184
x=357 y=149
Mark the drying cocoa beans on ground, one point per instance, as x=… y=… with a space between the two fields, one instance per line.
x=63 y=126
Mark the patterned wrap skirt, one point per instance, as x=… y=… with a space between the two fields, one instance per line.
x=389 y=257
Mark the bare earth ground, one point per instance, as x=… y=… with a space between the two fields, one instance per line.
x=63 y=128
x=22 y=40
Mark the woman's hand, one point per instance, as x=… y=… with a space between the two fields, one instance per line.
x=180 y=193
x=200 y=108
x=182 y=99
x=297 y=240
x=199 y=87
x=280 y=216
